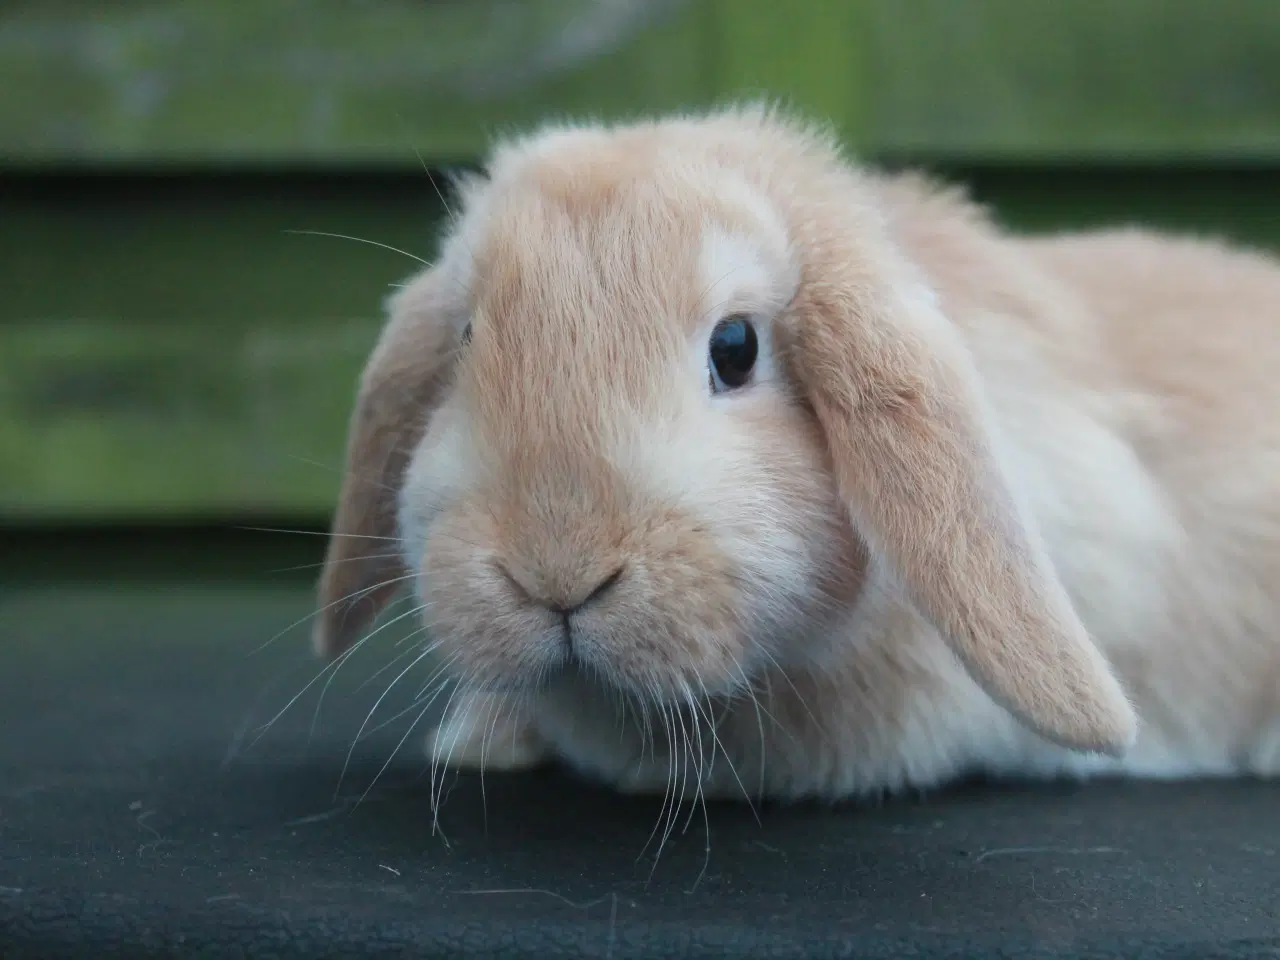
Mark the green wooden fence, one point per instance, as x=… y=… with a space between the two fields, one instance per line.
x=169 y=349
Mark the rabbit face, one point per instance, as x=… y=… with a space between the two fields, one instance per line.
x=623 y=483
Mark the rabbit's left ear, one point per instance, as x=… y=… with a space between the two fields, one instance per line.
x=896 y=394
x=403 y=383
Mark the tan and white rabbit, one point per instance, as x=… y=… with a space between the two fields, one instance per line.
x=718 y=462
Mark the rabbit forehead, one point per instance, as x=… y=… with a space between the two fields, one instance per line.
x=637 y=212
x=593 y=281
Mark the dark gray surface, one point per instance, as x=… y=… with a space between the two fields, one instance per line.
x=135 y=819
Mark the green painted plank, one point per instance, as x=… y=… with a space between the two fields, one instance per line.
x=337 y=81
x=168 y=351
x=130 y=421
x=209 y=80
x=166 y=348
x=1037 y=79
x=189 y=249
x=1241 y=205
x=807 y=55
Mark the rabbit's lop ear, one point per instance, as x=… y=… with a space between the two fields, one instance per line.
x=403 y=382
x=896 y=394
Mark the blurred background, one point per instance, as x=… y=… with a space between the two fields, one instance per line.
x=177 y=361
x=179 y=354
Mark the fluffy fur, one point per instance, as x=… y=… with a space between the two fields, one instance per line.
x=989 y=504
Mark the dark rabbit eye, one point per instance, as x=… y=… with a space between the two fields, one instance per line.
x=466 y=334
x=733 y=353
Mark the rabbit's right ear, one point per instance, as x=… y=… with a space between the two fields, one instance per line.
x=403 y=382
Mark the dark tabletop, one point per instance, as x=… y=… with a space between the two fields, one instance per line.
x=142 y=814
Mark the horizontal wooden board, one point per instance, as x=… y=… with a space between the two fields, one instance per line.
x=327 y=80
x=168 y=350
x=1095 y=79
x=337 y=81
x=168 y=347
x=133 y=421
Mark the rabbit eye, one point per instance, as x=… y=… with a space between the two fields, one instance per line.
x=733 y=351
x=466 y=334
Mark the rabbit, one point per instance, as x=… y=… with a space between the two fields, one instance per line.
x=720 y=463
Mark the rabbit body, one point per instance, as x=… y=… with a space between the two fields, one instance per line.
x=1091 y=418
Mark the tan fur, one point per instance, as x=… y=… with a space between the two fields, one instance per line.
x=991 y=503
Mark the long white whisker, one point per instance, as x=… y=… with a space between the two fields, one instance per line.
x=440 y=671
x=327 y=668
x=390 y=664
x=686 y=763
x=701 y=798
x=315 y=716
x=699 y=771
x=469 y=709
x=750 y=687
x=495 y=710
x=321 y=533
x=414 y=705
x=682 y=775
x=804 y=705
x=314 y=613
x=383 y=768
x=733 y=770
x=372 y=243
x=316 y=566
x=372 y=710
x=666 y=794
x=437 y=794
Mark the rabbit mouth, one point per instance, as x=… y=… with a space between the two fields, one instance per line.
x=579 y=679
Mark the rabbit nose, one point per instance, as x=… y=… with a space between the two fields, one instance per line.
x=594 y=593
x=564 y=603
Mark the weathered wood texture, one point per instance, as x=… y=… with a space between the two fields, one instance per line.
x=337 y=80
x=168 y=349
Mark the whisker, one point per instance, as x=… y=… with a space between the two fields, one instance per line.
x=696 y=728
x=755 y=703
x=315 y=717
x=439 y=672
x=334 y=665
x=315 y=613
x=453 y=215
x=495 y=709
x=453 y=744
x=390 y=665
x=662 y=716
x=425 y=169
x=684 y=753
x=321 y=533
x=372 y=710
x=696 y=745
x=718 y=743
x=372 y=243
x=414 y=705
x=435 y=796
x=804 y=704
x=704 y=771
x=383 y=768
x=315 y=566
x=236 y=747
